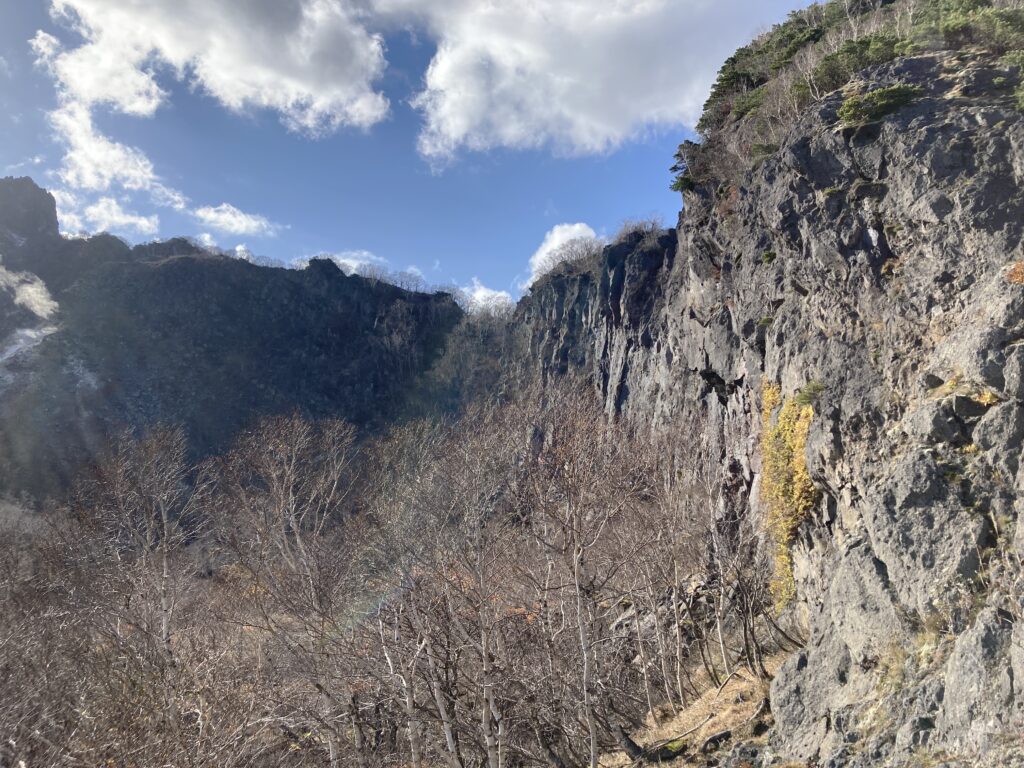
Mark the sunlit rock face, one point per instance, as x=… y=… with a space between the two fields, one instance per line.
x=879 y=263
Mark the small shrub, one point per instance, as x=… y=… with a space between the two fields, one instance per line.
x=768 y=257
x=747 y=102
x=810 y=393
x=961 y=23
x=761 y=151
x=997 y=29
x=765 y=321
x=893 y=664
x=786 y=488
x=577 y=251
x=868 y=107
x=648 y=230
x=1019 y=96
x=835 y=70
x=1015 y=274
x=1013 y=59
x=683 y=183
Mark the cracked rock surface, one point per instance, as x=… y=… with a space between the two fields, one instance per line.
x=874 y=261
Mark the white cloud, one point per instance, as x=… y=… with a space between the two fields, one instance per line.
x=575 y=76
x=321 y=77
x=355 y=262
x=68 y=211
x=29 y=162
x=242 y=252
x=312 y=61
x=46 y=47
x=480 y=298
x=93 y=161
x=107 y=215
x=557 y=236
x=579 y=76
x=5 y=68
x=227 y=218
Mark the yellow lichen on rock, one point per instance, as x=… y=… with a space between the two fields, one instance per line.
x=787 y=493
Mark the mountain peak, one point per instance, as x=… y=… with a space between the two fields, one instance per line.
x=26 y=210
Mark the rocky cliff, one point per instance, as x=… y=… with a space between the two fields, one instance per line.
x=96 y=336
x=875 y=272
x=855 y=285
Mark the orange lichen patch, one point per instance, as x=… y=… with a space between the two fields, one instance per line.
x=1015 y=274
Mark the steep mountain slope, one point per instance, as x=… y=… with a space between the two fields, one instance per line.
x=840 y=313
x=871 y=274
x=97 y=336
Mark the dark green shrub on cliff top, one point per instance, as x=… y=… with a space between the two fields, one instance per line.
x=763 y=88
x=865 y=108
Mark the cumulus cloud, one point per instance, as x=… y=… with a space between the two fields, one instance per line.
x=312 y=61
x=579 y=76
x=354 y=262
x=228 y=219
x=481 y=299
x=543 y=259
x=93 y=161
x=107 y=215
x=574 y=76
x=206 y=240
x=68 y=211
x=321 y=77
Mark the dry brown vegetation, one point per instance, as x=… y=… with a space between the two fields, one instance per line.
x=524 y=585
x=1015 y=274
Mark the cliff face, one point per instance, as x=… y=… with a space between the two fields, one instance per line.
x=881 y=265
x=96 y=337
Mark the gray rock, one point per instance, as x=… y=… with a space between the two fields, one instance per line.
x=978 y=711
x=891 y=291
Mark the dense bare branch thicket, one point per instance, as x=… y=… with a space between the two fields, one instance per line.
x=577 y=252
x=525 y=585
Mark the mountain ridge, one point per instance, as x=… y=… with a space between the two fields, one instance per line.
x=169 y=333
x=837 y=321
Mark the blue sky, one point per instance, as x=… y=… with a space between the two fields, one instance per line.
x=452 y=139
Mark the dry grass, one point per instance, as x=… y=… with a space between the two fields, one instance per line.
x=715 y=711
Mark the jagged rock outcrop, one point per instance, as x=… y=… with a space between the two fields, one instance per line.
x=96 y=336
x=882 y=263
